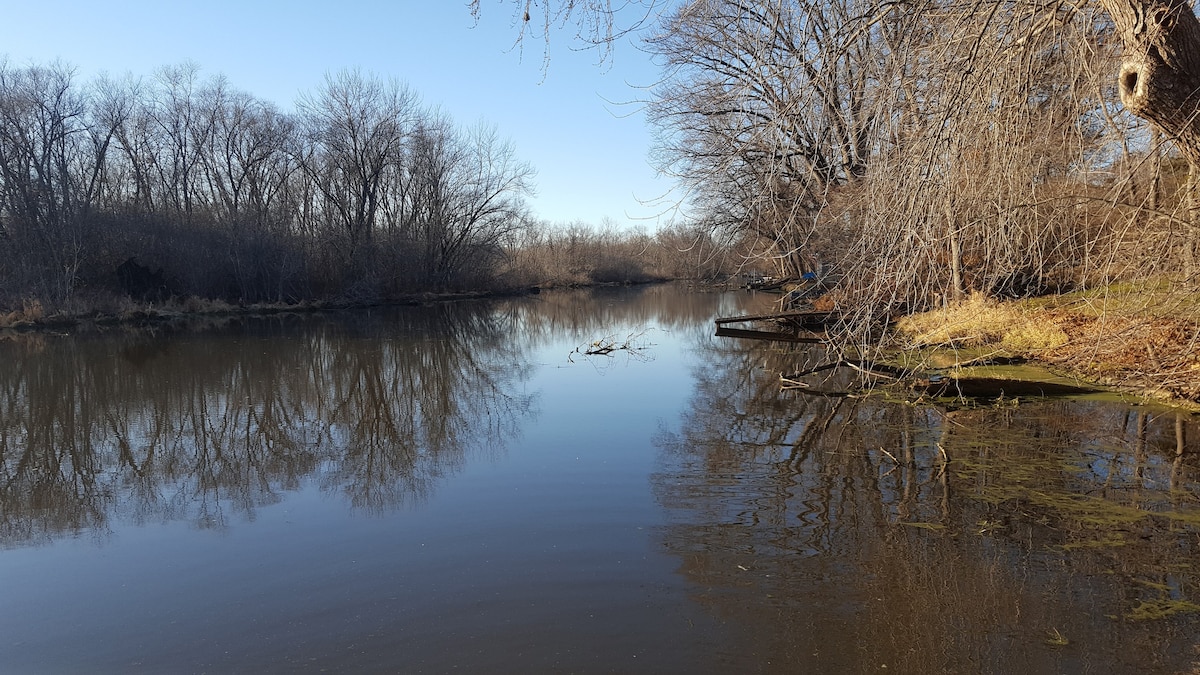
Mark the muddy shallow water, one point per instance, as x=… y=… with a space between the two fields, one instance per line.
x=462 y=487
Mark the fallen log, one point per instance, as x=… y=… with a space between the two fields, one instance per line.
x=775 y=336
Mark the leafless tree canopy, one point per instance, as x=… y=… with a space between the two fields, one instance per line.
x=918 y=150
x=595 y=22
x=194 y=188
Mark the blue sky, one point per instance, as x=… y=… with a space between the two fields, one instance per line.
x=566 y=119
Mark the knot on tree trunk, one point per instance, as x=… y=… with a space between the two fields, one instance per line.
x=1133 y=81
x=1158 y=79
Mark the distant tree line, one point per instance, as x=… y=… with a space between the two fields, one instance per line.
x=579 y=253
x=183 y=186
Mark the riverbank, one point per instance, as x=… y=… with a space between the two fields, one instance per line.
x=127 y=312
x=1144 y=341
x=122 y=311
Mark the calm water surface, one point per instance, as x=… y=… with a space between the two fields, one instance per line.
x=460 y=489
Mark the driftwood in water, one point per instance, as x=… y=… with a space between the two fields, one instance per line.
x=937 y=387
x=992 y=360
x=608 y=345
x=801 y=388
x=869 y=368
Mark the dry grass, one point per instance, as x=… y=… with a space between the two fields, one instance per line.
x=1163 y=297
x=979 y=321
x=31 y=311
x=111 y=308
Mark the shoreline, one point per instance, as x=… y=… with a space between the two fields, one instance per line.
x=1143 y=351
x=143 y=315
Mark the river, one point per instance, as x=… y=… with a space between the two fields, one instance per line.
x=463 y=488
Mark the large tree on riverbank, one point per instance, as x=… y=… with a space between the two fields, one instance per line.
x=1160 y=77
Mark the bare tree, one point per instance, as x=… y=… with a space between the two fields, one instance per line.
x=183 y=130
x=52 y=153
x=766 y=111
x=467 y=196
x=247 y=172
x=949 y=53
x=1159 y=78
x=490 y=184
x=598 y=22
x=182 y=185
x=913 y=151
x=355 y=128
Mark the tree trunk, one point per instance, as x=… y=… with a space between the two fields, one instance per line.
x=1160 y=76
x=957 y=290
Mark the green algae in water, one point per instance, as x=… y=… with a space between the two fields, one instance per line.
x=1111 y=541
x=1191 y=518
x=1055 y=638
x=1051 y=486
x=925 y=526
x=1156 y=585
x=1153 y=610
x=1027 y=480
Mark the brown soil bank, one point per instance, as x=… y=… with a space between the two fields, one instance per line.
x=1144 y=340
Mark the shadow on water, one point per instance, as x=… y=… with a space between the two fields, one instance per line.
x=853 y=534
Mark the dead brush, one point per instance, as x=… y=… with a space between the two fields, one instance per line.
x=31 y=311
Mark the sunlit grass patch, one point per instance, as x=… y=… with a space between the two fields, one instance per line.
x=975 y=321
x=979 y=321
x=1158 y=297
x=1140 y=337
x=1036 y=483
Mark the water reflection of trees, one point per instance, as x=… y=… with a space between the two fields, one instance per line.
x=864 y=546
x=205 y=426
x=591 y=313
